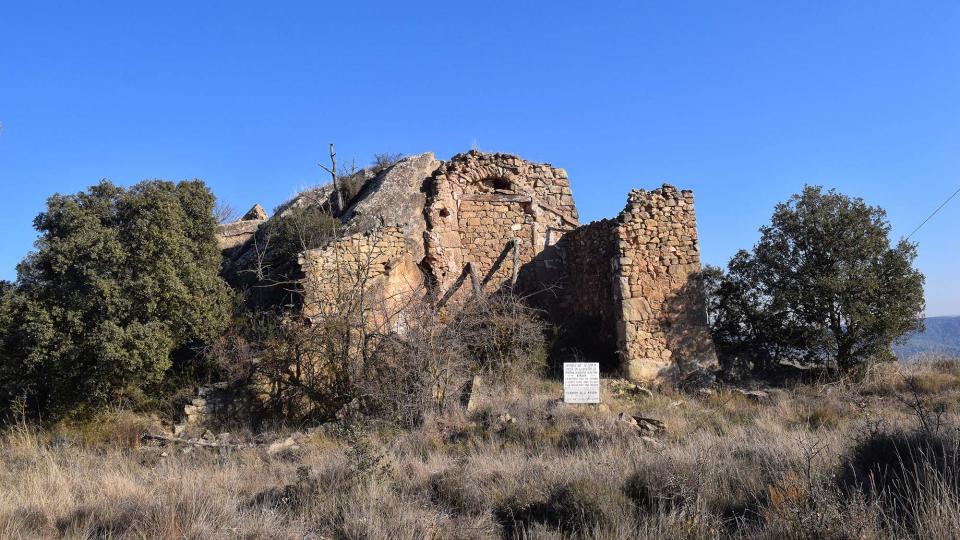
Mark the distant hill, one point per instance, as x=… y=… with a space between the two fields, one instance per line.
x=941 y=337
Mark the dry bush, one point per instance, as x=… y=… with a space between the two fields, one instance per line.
x=422 y=371
x=931 y=375
x=109 y=429
x=896 y=463
x=503 y=336
x=820 y=412
x=384 y=161
x=310 y=369
x=224 y=212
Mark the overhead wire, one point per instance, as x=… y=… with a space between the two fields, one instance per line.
x=944 y=203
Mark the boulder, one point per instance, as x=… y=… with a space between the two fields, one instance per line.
x=233 y=235
x=396 y=196
x=257 y=213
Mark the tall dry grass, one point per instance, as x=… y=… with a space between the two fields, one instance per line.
x=811 y=462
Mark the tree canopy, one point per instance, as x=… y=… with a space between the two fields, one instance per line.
x=823 y=285
x=119 y=280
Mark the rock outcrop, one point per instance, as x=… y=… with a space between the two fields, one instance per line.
x=238 y=233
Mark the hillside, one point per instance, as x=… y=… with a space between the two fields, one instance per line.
x=941 y=337
x=519 y=463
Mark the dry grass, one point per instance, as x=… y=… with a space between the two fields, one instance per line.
x=522 y=465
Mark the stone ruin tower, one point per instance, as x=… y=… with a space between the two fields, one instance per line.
x=479 y=223
x=635 y=277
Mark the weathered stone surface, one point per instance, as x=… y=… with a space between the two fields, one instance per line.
x=256 y=213
x=381 y=248
x=232 y=235
x=663 y=331
x=318 y=196
x=632 y=281
x=395 y=197
x=496 y=212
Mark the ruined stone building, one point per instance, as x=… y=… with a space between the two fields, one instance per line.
x=448 y=231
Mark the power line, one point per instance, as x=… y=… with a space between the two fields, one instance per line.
x=933 y=214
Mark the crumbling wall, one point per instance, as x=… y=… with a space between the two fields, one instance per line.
x=588 y=256
x=488 y=215
x=376 y=263
x=233 y=236
x=629 y=294
x=482 y=223
x=662 y=324
x=381 y=249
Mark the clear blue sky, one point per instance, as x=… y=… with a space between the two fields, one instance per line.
x=743 y=102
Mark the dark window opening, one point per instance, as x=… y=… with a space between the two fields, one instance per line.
x=499 y=184
x=502 y=183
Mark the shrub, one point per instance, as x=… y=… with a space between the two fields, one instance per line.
x=457 y=493
x=384 y=161
x=121 y=282
x=268 y=276
x=516 y=512
x=899 y=467
x=422 y=371
x=583 y=505
x=112 y=429
x=502 y=335
x=316 y=367
x=351 y=186
x=821 y=414
x=578 y=507
x=651 y=492
x=293 y=496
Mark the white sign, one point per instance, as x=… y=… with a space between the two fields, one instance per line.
x=581 y=382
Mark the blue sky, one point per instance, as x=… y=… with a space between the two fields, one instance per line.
x=743 y=102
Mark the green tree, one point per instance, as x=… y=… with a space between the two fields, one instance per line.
x=823 y=285
x=120 y=280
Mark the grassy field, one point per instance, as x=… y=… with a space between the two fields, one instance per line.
x=872 y=459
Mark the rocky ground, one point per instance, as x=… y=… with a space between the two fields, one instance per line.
x=868 y=459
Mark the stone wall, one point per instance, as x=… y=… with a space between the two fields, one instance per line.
x=234 y=235
x=662 y=327
x=487 y=216
x=481 y=223
x=588 y=255
x=378 y=262
x=587 y=307
x=628 y=294
x=381 y=251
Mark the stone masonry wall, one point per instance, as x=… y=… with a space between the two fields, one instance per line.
x=381 y=250
x=662 y=327
x=588 y=255
x=482 y=223
x=378 y=261
x=587 y=307
x=480 y=206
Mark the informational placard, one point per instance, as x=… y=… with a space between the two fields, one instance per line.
x=581 y=382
